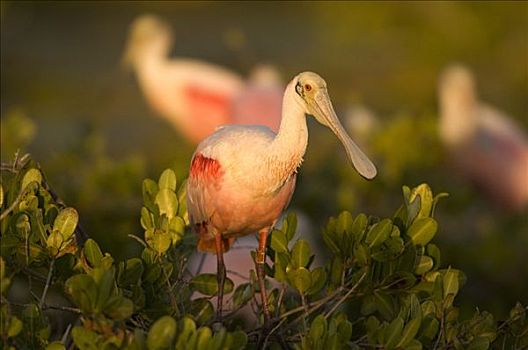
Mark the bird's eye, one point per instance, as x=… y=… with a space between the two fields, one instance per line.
x=307 y=87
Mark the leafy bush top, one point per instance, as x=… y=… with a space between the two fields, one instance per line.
x=383 y=285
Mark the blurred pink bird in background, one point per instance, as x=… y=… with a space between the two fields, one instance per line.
x=196 y=97
x=485 y=145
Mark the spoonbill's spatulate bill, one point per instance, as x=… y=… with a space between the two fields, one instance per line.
x=196 y=96
x=485 y=144
x=242 y=177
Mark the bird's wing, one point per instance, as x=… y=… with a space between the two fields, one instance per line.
x=498 y=123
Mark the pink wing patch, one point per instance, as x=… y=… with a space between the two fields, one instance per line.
x=205 y=168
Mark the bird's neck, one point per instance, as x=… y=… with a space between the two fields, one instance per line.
x=287 y=149
x=458 y=122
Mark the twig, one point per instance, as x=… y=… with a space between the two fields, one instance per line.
x=48 y=282
x=174 y=303
x=352 y=290
x=139 y=240
x=13 y=205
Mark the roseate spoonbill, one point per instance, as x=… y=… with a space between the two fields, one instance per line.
x=484 y=144
x=242 y=177
x=195 y=96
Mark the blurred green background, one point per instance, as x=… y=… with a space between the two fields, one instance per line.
x=66 y=99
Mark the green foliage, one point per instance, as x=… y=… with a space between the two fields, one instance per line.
x=382 y=286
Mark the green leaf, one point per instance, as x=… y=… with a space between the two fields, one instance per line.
x=291 y=226
x=119 y=308
x=203 y=338
x=434 y=253
x=300 y=254
x=146 y=219
x=422 y=231
x=240 y=340
x=66 y=222
x=130 y=272
x=15 y=327
x=379 y=233
x=54 y=242
x=318 y=328
x=167 y=202
x=414 y=345
x=32 y=175
x=202 y=310
x=450 y=282
x=393 y=332
x=430 y=327
x=344 y=222
x=167 y=180
x=243 y=293
x=300 y=279
x=384 y=304
x=281 y=263
x=425 y=264
x=409 y=332
x=83 y=290
x=93 y=253
x=162 y=334
x=318 y=277
x=426 y=199
x=278 y=242
x=359 y=226
x=206 y=283
x=56 y=345
x=479 y=343
x=158 y=240
x=85 y=339
x=361 y=253
x=344 y=330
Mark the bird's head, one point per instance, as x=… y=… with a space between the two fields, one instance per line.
x=311 y=92
x=456 y=86
x=149 y=36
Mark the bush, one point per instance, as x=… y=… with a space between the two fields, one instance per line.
x=382 y=287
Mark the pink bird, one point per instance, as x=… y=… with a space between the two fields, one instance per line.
x=196 y=97
x=485 y=144
x=242 y=177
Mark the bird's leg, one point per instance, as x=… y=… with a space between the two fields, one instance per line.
x=261 y=274
x=220 y=274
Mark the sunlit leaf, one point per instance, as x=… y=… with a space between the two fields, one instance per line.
x=300 y=279
x=450 y=282
x=85 y=339
x=379 y=233
x=278 y=242
x=422 y=231
x=162 y=333
x=66 y=222
x=425 y=264
x=93 y=253
x=300 y=254
x=167 y=202
x=167 y=180
x=32 y=175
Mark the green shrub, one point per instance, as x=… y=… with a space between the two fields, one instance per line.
x=383 y=286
